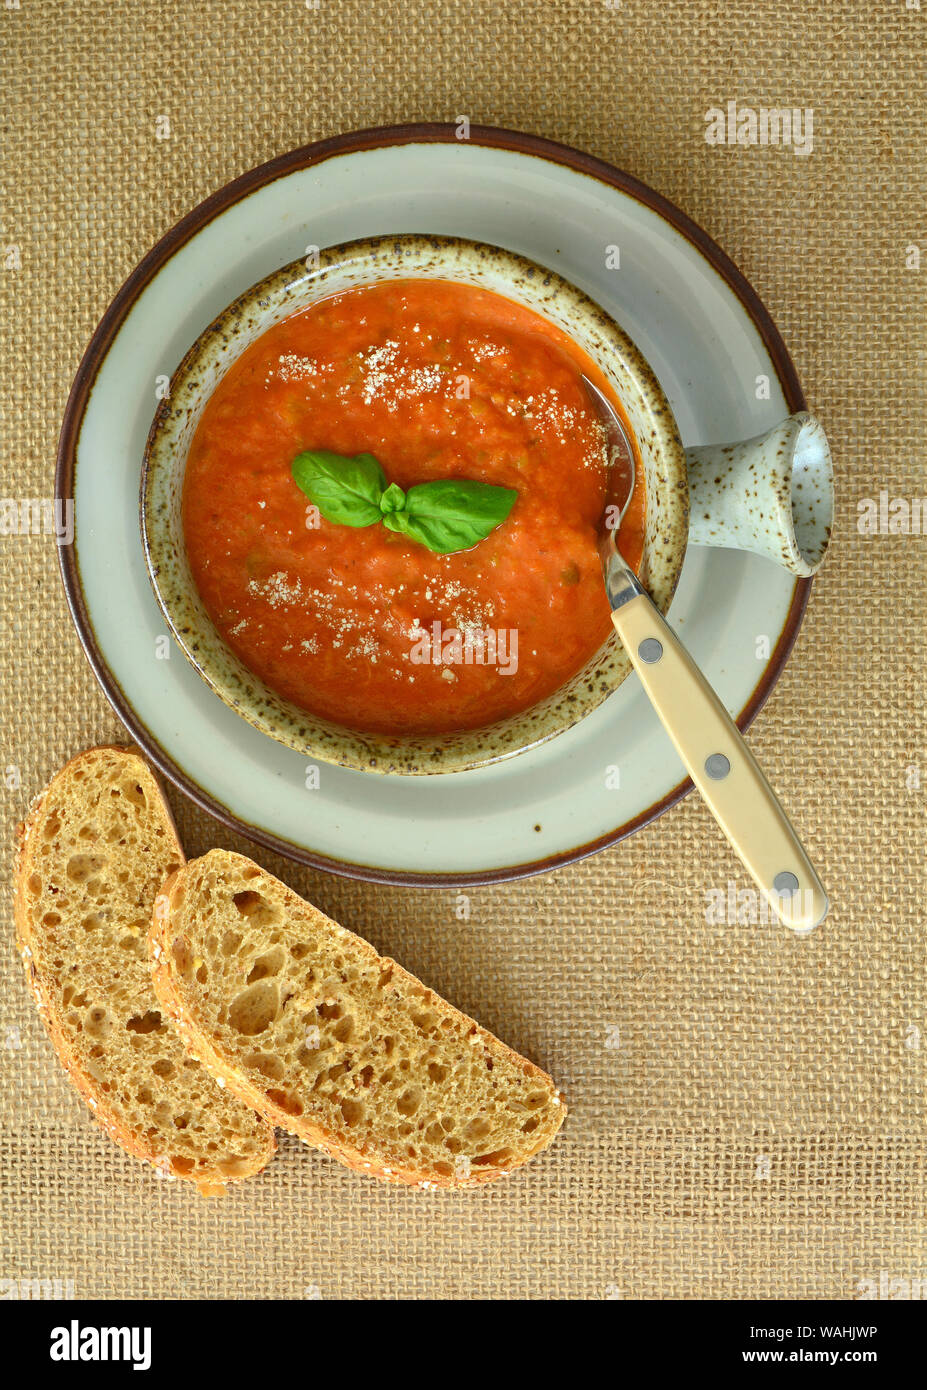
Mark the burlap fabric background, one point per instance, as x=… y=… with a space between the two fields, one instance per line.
x=759 y=1130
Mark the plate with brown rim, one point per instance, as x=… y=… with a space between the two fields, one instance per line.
x=697 y=321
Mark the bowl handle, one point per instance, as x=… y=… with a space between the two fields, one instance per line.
x=772 y=495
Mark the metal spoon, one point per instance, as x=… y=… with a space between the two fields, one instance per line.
x=706 y=737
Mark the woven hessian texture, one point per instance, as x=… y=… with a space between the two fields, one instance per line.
x=758 y=1130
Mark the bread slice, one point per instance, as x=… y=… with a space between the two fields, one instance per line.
x=337 y=1044
x=96 y=848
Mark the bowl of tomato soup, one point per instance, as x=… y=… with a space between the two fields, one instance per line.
x=370 y=503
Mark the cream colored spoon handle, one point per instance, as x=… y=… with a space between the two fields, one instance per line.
x=720 y=763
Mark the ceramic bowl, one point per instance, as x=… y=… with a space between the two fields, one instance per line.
x=294 y=288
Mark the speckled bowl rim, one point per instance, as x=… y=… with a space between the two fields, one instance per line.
x=287 y=291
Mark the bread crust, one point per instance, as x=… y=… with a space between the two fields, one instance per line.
x=86 y=1085
x=207 y=1051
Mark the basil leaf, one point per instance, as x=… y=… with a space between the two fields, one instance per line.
x=454 y=514
x=393 y=499
x=345 y=490
x=396 y=521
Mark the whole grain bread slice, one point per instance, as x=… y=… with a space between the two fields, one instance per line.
x=335 y=1043
x=96 y=847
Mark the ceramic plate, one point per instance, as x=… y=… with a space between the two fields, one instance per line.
x=683 y=302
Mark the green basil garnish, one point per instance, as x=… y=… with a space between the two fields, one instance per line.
x=345 y=490
x=454 y=514
x=449 y=515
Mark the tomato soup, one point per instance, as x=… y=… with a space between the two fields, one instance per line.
x=364 y=626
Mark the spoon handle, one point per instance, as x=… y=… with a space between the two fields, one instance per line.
x=720 y=763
